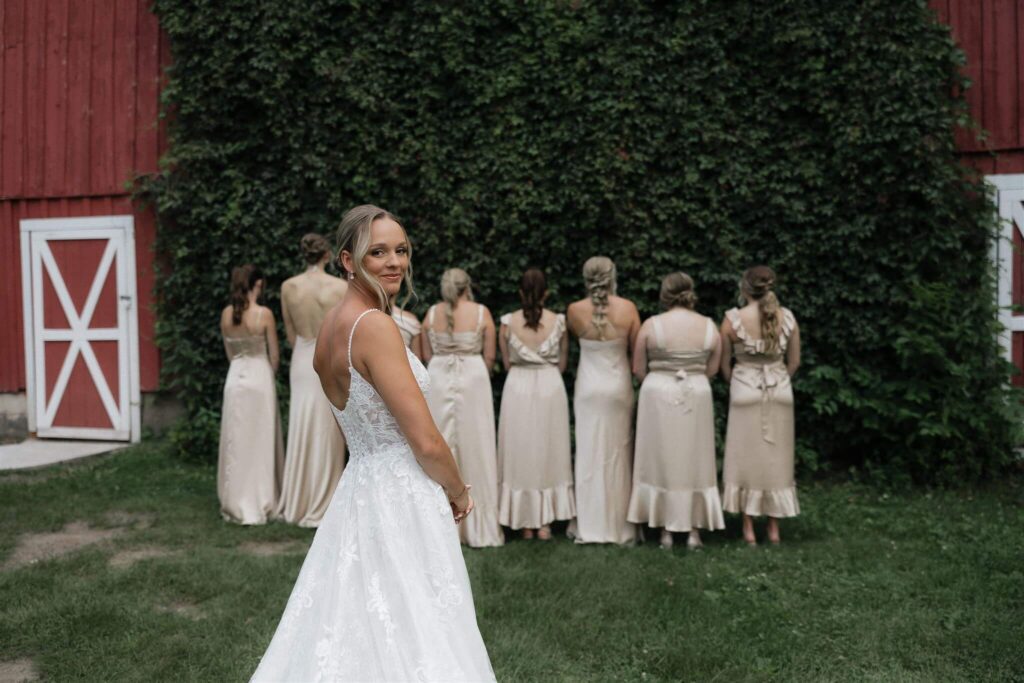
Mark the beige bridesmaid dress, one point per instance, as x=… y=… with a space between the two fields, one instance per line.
x=315 y=456
x=603 y=405
x=462 y=405
x=534 y=452
x=675 y=477
x=251 y=451
x=407 y=327
x=758 y=476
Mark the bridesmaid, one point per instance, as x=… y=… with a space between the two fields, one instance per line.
x=758 y=474
x=606 y=326
x=533 y=429
x=675 y=481
x=316 y=448
x=251 y=452
x=409 y=327
x=459 y=349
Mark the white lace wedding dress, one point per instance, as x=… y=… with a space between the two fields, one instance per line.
x=383 y=594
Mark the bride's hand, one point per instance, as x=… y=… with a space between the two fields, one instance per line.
x=462 y=505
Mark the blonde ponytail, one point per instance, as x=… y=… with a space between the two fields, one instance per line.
x=454 y=283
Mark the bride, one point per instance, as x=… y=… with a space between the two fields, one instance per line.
x=383 y=594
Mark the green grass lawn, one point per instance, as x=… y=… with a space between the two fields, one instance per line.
x=867 y=586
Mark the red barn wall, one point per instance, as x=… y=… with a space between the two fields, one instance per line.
x=79 y=103
x=991 y=34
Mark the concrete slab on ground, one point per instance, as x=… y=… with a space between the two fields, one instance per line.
x=42 y=452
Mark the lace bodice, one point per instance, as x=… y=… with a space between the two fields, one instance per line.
x=249 y=346
x=368 y=425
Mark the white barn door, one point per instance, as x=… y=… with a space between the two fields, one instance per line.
x=1009 y=258
x=81 y=327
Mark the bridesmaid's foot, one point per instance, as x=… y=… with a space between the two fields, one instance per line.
x=666 y=539
x=527 y=534
x=748 y=531
x=693 y=540
x=773 y=531
x=545 y=533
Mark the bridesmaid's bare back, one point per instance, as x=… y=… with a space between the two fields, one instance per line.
x=466 y=315
x=306 y=298
x=529 y=336
x=254 y=321
x=623 y=319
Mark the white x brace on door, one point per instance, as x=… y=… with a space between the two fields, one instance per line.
x=81 y=327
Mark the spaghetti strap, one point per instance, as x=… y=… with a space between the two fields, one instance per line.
x=430 y=316
x=352 y=333
x=479 y=316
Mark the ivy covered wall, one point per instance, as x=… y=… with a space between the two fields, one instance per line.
x=702 y=136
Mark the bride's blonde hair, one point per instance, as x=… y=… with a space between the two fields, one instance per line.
x=354 y=237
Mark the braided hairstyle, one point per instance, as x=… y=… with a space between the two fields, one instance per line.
x=758 y=284
x=677 y=291
x=599 y=277
x=454 y=283
x=533 y=287
x=243 y=279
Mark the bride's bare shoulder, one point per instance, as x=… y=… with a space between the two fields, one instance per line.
x=377 y=327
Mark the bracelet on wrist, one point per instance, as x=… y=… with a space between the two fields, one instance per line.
x=454 y=498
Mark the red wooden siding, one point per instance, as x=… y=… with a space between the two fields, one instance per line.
x=12 y=354
x=80 y=96
x=79 y=100
x=991 y=34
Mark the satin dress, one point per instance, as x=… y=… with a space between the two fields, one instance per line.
x=463 y=408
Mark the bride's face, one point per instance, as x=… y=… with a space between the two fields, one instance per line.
x=388 y=257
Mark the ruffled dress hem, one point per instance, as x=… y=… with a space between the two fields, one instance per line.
x=532 y=509
x=675 y=510
x=481 y=529
x=773 y=503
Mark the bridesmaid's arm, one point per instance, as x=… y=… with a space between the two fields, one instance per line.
x=272 y=349
x=570 y=319
x=793 y=352
x=426 y=351
x=726 y=351
x=416 y=346
x=225 y=317
x=563 y=351
x=634 y=326
x=640 y=354
x=289 y=325
x=503 y=343
x=489 y=341
x=716 y=357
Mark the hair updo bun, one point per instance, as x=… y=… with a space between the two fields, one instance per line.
x=314 y=247
x=677 y=291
